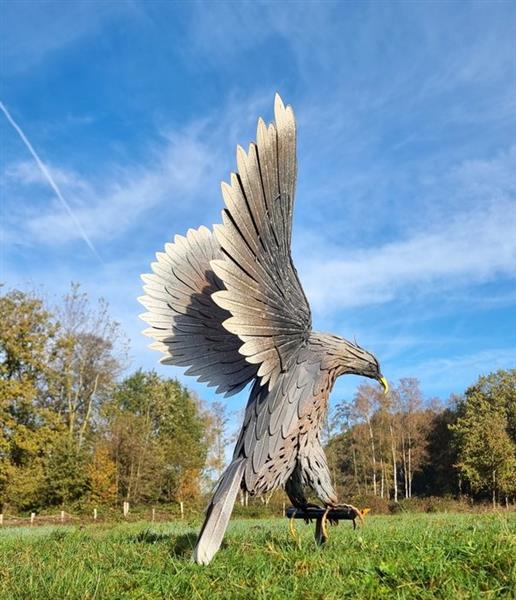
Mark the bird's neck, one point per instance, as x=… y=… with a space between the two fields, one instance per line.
x=339 y=356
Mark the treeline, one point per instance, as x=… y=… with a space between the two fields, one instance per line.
x=399 y=445
x=75 y=433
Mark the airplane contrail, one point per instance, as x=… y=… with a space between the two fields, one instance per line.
x=49 y=178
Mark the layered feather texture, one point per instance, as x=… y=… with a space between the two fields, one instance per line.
x=229 y=305
x=269 y=310
x=184 y=320
x=218 y=513
x=276 y=422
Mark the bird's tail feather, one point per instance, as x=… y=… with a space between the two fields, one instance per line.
x=218 y=513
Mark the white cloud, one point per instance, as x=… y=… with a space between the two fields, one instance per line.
x=183 y=169
x=473 y=248
x=179 y=171
x=27 y=173
x=462 y=231
x=459 y=371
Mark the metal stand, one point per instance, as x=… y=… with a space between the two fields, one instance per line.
x=322 y=515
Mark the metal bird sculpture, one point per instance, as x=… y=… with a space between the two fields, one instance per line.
x=229 y=305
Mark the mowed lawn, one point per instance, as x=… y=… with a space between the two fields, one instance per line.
x=447 y=556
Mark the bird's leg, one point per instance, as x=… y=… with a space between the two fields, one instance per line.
x=295 y=492
x=361 y=514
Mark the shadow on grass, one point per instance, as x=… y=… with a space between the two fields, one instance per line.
x=181 y=546
x=148 y=536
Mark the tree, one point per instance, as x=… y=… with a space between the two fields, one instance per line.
x=182 y=436
x=65 y=473
x=27 y=429
x=342 y=460
x=56 y=369
x=101 y=474
x=216 y=423
x=439 y=475
x=383 y=423
x=156 y=434
x=485 y=435
x=365 y=405
x=414 y=427
x=386 y=438
x=90 y=353
x=131 y=430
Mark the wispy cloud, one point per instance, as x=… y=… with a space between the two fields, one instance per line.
x=46 y=174
x=177 y=169
x=108 y=210
x=461 y=234
x=26 y=173
x=180 y=175
x=459 y=371
x=473 y=248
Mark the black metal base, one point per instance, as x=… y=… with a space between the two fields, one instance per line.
x=333 y=515
x=339 y=513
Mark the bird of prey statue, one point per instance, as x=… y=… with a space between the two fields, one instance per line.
x=229 y=305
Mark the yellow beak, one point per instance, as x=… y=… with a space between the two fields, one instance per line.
x=385 y=384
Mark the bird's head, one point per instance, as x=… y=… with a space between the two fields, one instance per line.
x=351 y=359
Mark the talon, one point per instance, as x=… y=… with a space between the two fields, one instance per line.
x=321 y=530
x=293 y=531
x=324 y=526
x=359 y=514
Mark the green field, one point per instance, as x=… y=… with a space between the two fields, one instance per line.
x=447 y=556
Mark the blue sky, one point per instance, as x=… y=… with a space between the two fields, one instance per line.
x=405 y=222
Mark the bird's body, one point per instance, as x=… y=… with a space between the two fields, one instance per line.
x=281 y=430
x=281 y=427
x=229 y=305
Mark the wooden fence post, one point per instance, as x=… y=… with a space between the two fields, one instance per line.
x=94 y=514
x=126 y=509
x=182 y=510
x=32 y=517
x=1 y=519
x=153 y=514
x=62 y=516
x=283 y=509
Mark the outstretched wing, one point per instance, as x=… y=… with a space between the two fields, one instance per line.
x=269 y=310
x=184 y=320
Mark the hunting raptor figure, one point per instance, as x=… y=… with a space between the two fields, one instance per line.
x=228 y=304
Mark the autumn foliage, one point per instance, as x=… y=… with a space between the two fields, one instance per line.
x=76 y=430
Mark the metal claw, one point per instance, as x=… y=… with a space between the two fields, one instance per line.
x=293 y=531
x=321 y=529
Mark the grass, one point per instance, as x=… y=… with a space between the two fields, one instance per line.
x=402 y=556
